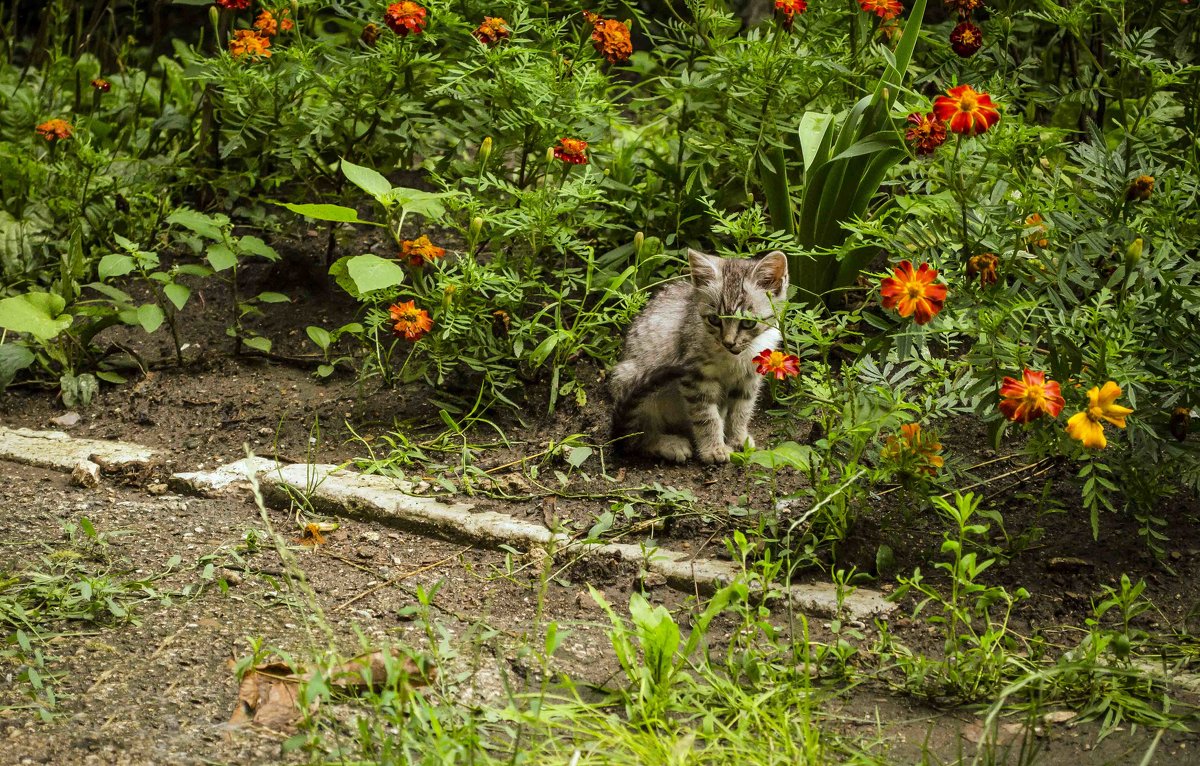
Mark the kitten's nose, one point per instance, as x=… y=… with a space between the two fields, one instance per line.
x=729 y=344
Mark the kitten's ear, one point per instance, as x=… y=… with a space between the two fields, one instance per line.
x=771 y=273
x=705 y=268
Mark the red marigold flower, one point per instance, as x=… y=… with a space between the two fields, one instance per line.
x=406 y=18
x=963 y=7
x=572 y=151
x=420 y=251
x=984 y=267
x=1140 y=188
x=913 y=292
x=1031 y=397
x=248 y=43
x=966 y=110
x=234 y=5
x=884 y=9
x=54 y=130
x=492 y=30
x=411 y=322
x=789 y=10
x=777 y=363
x=966 y=39
x=610 y=37
x=929 y=133
x=101 y=85
x=913 y=446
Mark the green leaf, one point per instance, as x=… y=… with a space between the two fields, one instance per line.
x=204 y=225
x=324 y=371
x=221 y=257
x=416 y=201
x=115 y=265
x=370 y=181
x=258 y=343
x=255 y=246
x=274 y=298
x=178 y=294
x=194 y=270
x=111 y=377
x=150 y=317
x=13 y=358
x=327 y=212
x=813 y=128
x=319 y=336
x=39 y=314
x=370 y=273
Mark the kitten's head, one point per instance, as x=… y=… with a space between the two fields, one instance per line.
x=734 y=295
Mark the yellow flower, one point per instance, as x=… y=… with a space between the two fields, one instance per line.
x=1087 y=426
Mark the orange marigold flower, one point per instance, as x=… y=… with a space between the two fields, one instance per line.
x=963 y=7
x=1140 y=188
x=54 y=130
x=492 y=30
x=411 y=322
x=1038 y=234
x=1031 y=397
x=406 y=18
x=913 y=446
x=789 y=10
x=248 y=43
x=269 y=25
x=966 y=110
x=234 y=5
x=984 y=267
x=966 y=39
x=572 y=151
x=884 y=9
x=913 y=293
x=1087 y=426
x=101 y=85
x=777 y=363
x=420 y=251
x=928 y=134
x=610 y=37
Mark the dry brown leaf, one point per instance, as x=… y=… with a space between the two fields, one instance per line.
x=268 y=696
x=349 y=676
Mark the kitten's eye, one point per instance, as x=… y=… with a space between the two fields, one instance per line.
x=749 y=324
x=714 y=320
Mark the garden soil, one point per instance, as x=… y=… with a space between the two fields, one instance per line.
x=160 y=687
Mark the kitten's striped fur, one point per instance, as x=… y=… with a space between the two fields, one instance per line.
x=686 y=384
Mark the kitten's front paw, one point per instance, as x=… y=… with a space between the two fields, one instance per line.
x=717 y=454
x=737 y=445
x=677 y=449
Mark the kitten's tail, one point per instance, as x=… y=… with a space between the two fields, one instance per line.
x=629 y=387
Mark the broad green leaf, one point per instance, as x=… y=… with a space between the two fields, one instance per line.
x=370 y=181
x=13 y=358
x=194 y=270
x=274 y=298
x=255 y=246
x=111 y=377
x=115 y=265
x=258 y=343
x=150 y=317
x=416 y=201
x=319 y=336
x=178 y=294
x=220 y=257
x=813 y=127
x=39 y=314
x=327 y=212
x=204 y=225
x=370 y=273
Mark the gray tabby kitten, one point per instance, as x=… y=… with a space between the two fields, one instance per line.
x=686 y=383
